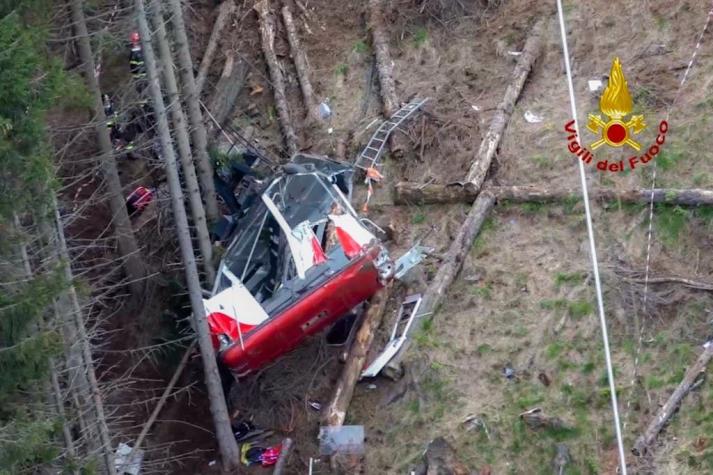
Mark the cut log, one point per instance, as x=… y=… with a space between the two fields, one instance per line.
x=299 y=58
x=491 y=141
x=385 y=70
x=336 y=410
x=267 y=34
x=225 y=12
x=643 y=443
x=411 y=193
x=227 y=90
x=384 y=64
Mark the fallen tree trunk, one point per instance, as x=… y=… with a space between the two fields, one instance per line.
x=267 y=34
x=231 y=82
x=385 y=70
x=384 y=64
x=336 y=410
x=491 y=141
x=453 y=260
x=225 y=11
x=301 y=64
x=411 y=193
x=644 y=441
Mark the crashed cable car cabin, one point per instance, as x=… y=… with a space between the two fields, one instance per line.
x=301 y=258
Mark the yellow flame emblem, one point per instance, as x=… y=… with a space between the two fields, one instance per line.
x=616 y=103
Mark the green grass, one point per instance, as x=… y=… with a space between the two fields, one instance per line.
x=554 y=350
x=553 y=304
x=418 y=218
x=420 y=37
x=361 y=47
x=562 y=278
x=534 y=207
x=483 y=349
x=541 y=161
x=670 y=222
x=341 y=69
x=579 y=309
x=654 y=382
x=669 y=157
x=481 y=240
x=484 y=291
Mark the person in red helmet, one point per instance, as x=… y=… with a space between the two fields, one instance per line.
x=136 y=62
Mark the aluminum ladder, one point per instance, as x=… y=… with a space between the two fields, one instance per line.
x=369 y=157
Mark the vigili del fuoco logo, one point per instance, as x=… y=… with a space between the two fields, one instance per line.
x=617 y=131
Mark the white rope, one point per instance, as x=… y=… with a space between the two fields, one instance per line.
x=651 y=217
x=593 y=250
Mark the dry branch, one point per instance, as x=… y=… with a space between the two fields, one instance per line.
x=644 y=441
x=284 y=455
x=267 y=34
x=225 y=11
x=336 y=410
x=301 y=64
x=489 y=145
x=162 y=400
x=231 y=82
x=412 y=193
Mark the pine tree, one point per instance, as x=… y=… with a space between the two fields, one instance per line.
x=180 y=130
x=190 y=95
x=31 y=85
x=221 y=420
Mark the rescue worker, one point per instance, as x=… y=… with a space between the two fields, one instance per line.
x=136 y=62
x=112 y=120
x=228 y=173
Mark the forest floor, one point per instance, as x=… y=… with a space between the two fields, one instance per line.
x=524 y=298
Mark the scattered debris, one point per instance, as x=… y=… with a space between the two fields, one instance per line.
x=127 y=460
x=595 y=85
x=533 y=118
x=265 y=456
x=344 y=440
x=562 y=458
x=325 y=112
x=544 y=379
x=536 y=419
x=473 y=422
x=514 y=53
x=509 y=372
x=408 y=261
x=404 y=319
x=315 y=405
